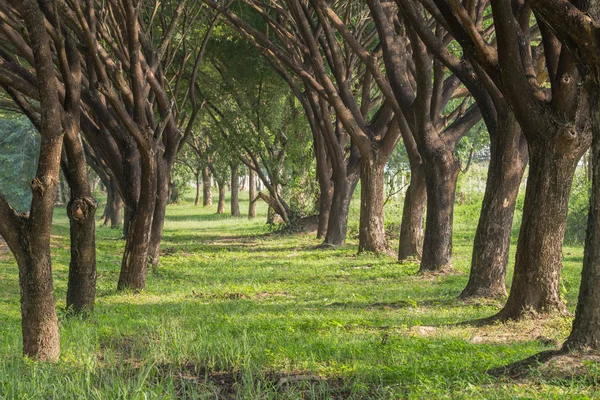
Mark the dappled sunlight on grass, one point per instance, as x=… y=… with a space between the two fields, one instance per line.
x=232 y=308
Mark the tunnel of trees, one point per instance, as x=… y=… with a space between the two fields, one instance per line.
x=304 y=104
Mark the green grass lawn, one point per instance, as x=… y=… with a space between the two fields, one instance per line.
x=235 y=312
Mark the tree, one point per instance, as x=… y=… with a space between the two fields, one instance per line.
x=28 y=236
x=576 y=26
x=508 y=154
x=554 y=123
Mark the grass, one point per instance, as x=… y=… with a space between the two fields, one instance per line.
x=235 y=312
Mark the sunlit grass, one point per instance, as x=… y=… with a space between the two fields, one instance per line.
x=231 y=309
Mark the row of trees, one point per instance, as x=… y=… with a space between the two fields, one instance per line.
x=124 y=87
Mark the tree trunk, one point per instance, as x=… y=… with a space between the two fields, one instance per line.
x=535 y=286
x=325 y=204
x=586 y=325
x=235 y=190
x=81 y=210
x=198 y=188
x=337 y=226
x=441 y=174
x=492 y=239
x=207 y=190
x=160 y=210
x=252 y=194
x=114 y=205
x=221 y=205
x=371 y=235
x=411 y=229
x=139 y=231
x=39 y=321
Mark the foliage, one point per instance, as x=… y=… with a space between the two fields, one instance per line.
x=19 y=148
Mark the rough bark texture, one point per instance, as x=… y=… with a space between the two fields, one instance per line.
x=442 y=171
x=411 y=229
x=586 y=325
x=252 y=194
x=492 y=240
x=135 y=257
x=235 y=191
x=206 y=187
x=372 y=231
x=535 y=286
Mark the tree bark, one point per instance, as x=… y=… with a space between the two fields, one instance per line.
x=441 y=171
x=81 y=210
x=207 y=190
x=337 y=226
x=411 y=229
x=135 y=257
x=221 y=205
x=235 y=190
x=586 y=325
x=535 y=286
x=492 y=240
x=372 y=231
x=252 y=194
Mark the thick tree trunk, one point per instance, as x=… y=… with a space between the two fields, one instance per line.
x=337 y=226
x=81 y=291
x=39 y=321
x=441 y=171
x=160 y=210
x=206 y=187
x=81 y=210
x=252 y=194
x=139 y=231
x=235 y=191
x=371 y=236
x=198 y=189
x=492 y=239
x=411 y=229
x=586 y=325
x=535 y=285
x=221 y=205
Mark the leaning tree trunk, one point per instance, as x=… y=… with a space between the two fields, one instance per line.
x=252 y=194
x=441 y=175
x=160 y=209
x=139 y=231
x=492 y=239
x=206 y=187
x=411 y=229
x=221 y=205
x=586 y=325
x=235 y=190
x=535 y=285
x=337 y=226
x=371 y=236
